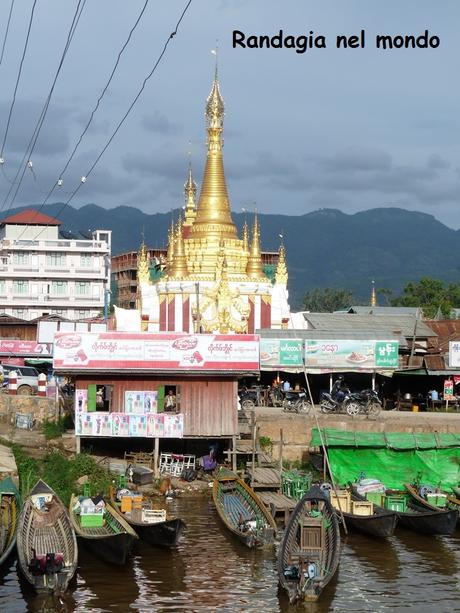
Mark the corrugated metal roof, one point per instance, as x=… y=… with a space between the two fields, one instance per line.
x=376 y=334
x=31 y=217
x=344 y=322
x=384 y=310
x=435 y=362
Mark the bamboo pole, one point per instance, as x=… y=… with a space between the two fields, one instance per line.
x=253 y=463
x=332 y=476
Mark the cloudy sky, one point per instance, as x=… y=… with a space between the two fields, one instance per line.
x=349 y=129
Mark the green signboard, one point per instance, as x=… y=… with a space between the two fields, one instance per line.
x=351 y=354
x=281 y=352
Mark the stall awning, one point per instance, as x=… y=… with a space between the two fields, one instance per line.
x=389 y=440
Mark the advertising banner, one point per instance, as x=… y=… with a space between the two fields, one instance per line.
x=159 y=425
x=352 y=354
x=448 y=389
x=128 y=351
x=281 y=352
x=454 y=354
x=25 y=348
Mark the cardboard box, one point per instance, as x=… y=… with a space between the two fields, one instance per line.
x=341 y=501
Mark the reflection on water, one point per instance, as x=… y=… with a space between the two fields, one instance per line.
x=210 y=571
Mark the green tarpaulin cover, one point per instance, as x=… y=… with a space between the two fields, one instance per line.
x=393 y=457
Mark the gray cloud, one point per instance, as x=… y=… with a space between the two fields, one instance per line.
x=158 y=123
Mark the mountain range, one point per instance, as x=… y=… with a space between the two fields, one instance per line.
x=324 y=248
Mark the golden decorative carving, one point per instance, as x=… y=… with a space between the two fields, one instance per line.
x=281 y=275
x=190 y=193
x=254 y=268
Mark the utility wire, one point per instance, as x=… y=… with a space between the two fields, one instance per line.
x=41 y=119
x=18 y=77
x=61 y=174
x=6 y=31
x=123 y=119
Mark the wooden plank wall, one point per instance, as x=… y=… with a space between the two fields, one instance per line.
x=209 y=406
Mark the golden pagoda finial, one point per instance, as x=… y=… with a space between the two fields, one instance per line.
x=213 y=216
x=179 y=264
x=170 y=252
x=254 y=268
x=143 y=272
x=281 y=275
x=245 y=236
x=190 y=193
x=373 y=295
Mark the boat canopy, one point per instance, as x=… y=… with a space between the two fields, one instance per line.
x=393 y=457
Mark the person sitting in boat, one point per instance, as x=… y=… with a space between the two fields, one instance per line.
x=246 y=525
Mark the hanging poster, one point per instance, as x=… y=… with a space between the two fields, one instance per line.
x=81 y=401
x=138 y=425
x=102 y=424
x=174 y=425
x=448 y=389
x=150 y=402
x=134 y=403
x=85 y=424
x=156 y=425
x=120 y=424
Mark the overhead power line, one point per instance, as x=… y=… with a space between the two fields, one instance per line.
x=33 y=140
x=6 y=31
x=26 y=44
x=84 y=178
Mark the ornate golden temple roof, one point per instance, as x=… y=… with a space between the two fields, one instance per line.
x=254 y=269
x=190 y=193
x=281 y=275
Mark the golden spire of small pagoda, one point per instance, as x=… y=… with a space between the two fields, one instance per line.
x=179 y=263
x=254 y=269
x=213 y=216
x=245 y=236
x=170 y=252
x=373 y=295
x=281 y=275
x=143 y=272
x=190 y=193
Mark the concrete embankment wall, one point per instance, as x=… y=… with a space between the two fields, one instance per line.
x=297 y=428
x=41 y=408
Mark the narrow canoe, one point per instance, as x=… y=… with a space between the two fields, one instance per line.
x=422 y=520
x=241 y=510
x=309 y=554
x=46 y=541
x=442 y=519
x=112 y=542
x=10 y=507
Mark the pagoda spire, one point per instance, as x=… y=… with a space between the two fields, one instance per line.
x=245 y=236
x=254 y=268
x=190 y=193
x=281 y=275
x=170 y=252
x=373 y=295
x=143 y=272
x=213 y=216
x=179 y=264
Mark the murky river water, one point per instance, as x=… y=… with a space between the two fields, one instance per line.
x=209 y=572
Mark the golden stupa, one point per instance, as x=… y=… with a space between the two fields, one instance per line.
x=214 y=281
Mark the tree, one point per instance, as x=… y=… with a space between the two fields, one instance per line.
x=430 y=295
x=327 y=300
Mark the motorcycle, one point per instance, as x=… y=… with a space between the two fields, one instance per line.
x=251 y=397
x=295 y=402
x=349 y=404
x=365 y=402
x=368 y=403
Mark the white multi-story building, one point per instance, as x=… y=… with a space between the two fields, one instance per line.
x=42 y=274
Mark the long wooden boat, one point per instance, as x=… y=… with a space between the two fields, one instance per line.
x=10 y=507
x=420 y=519
x=46 y=541
x=241 y=510
x=112 y=541
x=451 y=505
x=309 y=554
x=381 y=523
x=153 y=526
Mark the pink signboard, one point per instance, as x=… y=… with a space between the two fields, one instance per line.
x=25 y=348
x=128 y=351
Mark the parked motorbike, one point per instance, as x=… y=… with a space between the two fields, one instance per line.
x=368 y=403
x=365 y=402
x=251 y=397
x=349 y=404
x=295 y=402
